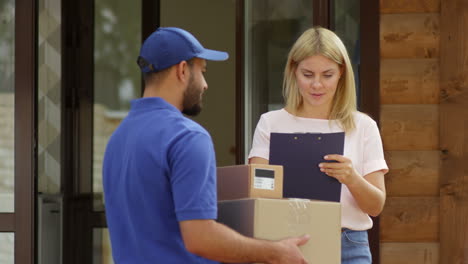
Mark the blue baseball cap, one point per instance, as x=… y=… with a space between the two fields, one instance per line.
x=168 y=46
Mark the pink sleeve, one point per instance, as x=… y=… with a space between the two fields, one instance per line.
x=261 y=140
x=374 y=159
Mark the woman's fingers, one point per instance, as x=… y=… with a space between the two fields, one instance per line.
x=339 y=158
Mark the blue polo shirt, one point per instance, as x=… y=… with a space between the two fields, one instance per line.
x=159 y=168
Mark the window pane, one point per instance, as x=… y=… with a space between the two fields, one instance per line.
x=7 y=248
x=102 y=253
x=117 y=79
x=213 y=23
x=7 y=106
x=272 y=26
x=49 y=96
x=347 y=24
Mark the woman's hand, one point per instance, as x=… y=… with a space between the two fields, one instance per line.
x=368 y=191
x=342 y=170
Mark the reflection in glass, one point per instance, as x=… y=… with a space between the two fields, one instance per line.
x=102 y=253
x=7 y=248
x=272 y=26
x=49 y=96
x=7 y=98
x=117 y=79
x=346 y=25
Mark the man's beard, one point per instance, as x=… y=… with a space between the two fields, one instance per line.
x=192 y=99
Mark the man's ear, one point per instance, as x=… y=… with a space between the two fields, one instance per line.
x=182 y=71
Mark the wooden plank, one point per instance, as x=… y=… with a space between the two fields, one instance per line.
x=414 y=253
x=410 y=219
x=409 y=36
x=409 y=81
x=409 y=6
x=410 y=127
x=454 y=132
x=454 y=182
x=412 y=173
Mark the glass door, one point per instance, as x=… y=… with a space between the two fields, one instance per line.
x=17 y=131
x=7 y=106
x=117 y=80
x=270 y=29
x=102 y=40
x=7 y=124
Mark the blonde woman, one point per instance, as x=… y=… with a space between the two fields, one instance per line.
x=320 y=97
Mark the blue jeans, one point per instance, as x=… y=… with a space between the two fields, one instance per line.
x=355 y=247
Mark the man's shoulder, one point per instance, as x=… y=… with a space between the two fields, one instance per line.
x=168 y=120
x=190 y=126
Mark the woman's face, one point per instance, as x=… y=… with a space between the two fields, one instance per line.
x=317 y=79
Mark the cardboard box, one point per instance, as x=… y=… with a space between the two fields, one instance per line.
x=274 y=219
x=250 y=181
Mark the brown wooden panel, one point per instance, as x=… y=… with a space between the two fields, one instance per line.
x=409 y=36
x=410 y=219
x=25 y=130
x=413 y=173
x=409 y=81
x=454 y=132
x=7 y=222
x=454 y=181
x=409 y=6
x=410 y=127
x=240 y=96
x=414 y=253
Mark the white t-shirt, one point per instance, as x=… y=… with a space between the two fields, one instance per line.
x=363 y=146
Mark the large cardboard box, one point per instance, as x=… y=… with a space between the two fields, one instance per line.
x=250 y=181
x=279 y=218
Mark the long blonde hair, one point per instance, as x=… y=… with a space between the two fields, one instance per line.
x=321 y=41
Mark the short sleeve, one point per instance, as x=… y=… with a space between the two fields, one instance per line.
x=261 y=140
x=374 y=159
x=193 y=177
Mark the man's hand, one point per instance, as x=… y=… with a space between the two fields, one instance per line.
x=215 y=241
x=289 y=251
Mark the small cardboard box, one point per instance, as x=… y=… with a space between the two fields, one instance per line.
x=250 y=181
x=274 y=219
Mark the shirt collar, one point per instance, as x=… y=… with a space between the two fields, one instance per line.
x=148 y=103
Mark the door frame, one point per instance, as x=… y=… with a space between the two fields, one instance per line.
x=25 y=130
x=21 y=222
x=369 y=77
x=79 y=217
x=77 y=30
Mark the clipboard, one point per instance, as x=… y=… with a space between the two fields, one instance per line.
x=300 y=155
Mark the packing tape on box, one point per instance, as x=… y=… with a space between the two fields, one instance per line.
x=298 y=215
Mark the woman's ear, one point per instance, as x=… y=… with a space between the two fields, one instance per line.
x=342 y=70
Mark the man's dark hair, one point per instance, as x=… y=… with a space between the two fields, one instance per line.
x=149 y=77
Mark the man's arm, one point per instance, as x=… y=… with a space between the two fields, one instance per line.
x=212 y=240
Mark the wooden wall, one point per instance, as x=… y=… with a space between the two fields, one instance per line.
x=410 y=122
x=453 y=116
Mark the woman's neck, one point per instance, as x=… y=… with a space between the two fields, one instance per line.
x=313 y=112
